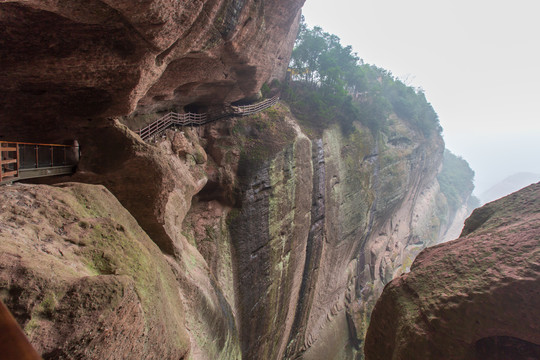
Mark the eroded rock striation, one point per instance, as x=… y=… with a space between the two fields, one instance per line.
x=313 y=231
x=477 y=297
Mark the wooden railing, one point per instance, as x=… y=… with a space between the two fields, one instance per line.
x=246 y=110
x=9 y=160
x=172 y=118
x=191 y=119
x=20 y=160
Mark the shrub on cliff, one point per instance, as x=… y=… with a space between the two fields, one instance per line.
x=456 y=181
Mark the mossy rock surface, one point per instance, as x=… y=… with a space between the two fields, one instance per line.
x=83 y=279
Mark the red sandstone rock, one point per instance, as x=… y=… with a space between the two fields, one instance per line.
x=152 y=183
x=477 y=297
x=83 y=279
x=64 y=60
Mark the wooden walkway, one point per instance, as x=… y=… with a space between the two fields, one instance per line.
x=190 y=119
x=20 y=160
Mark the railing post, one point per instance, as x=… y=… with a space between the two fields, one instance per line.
x=37 y=156
x=17 y=157
x=52 y=156
x=76 y=152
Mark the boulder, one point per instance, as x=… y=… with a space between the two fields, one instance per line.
x=477 y=297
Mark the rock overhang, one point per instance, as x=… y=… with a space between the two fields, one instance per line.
x=67 y=61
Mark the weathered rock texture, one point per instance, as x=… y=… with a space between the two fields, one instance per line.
x=277 y=244
x=274 y=244
x=477 y=297
x=377 y=208
x=270 y=235
x=63 y=61
x=155 y=184
x=82 y=277
x=315 y=230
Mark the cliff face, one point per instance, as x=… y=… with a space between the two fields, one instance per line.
x=317 y=229
x=65 y=61
x=277 y=245
x=473 y=298
x=378 y=200
x=242 y=238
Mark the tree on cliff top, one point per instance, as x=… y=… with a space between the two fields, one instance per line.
x=329 y=80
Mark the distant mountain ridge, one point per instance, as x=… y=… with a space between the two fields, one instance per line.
x=509 y=185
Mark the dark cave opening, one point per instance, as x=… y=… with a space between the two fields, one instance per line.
x=506 y=348
x=196 y=108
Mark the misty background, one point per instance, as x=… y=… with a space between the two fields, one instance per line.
x=477 y=61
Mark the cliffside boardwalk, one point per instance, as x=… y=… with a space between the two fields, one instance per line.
x=191 y=119
x=20 y=160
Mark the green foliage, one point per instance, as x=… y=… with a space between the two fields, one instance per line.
x=456 y=180
x=316 y=111
x=374 y=111
x=47 y=307
x=411 y=104
x=330 y=82
x=265 y=90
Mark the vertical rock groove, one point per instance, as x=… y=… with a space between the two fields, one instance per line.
x=315 y=244
x=361 y=279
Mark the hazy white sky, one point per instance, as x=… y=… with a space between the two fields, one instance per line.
x=477 y=60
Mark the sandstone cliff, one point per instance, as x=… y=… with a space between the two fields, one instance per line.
x=473 y=298
x=245 y=238
x=277 y=245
